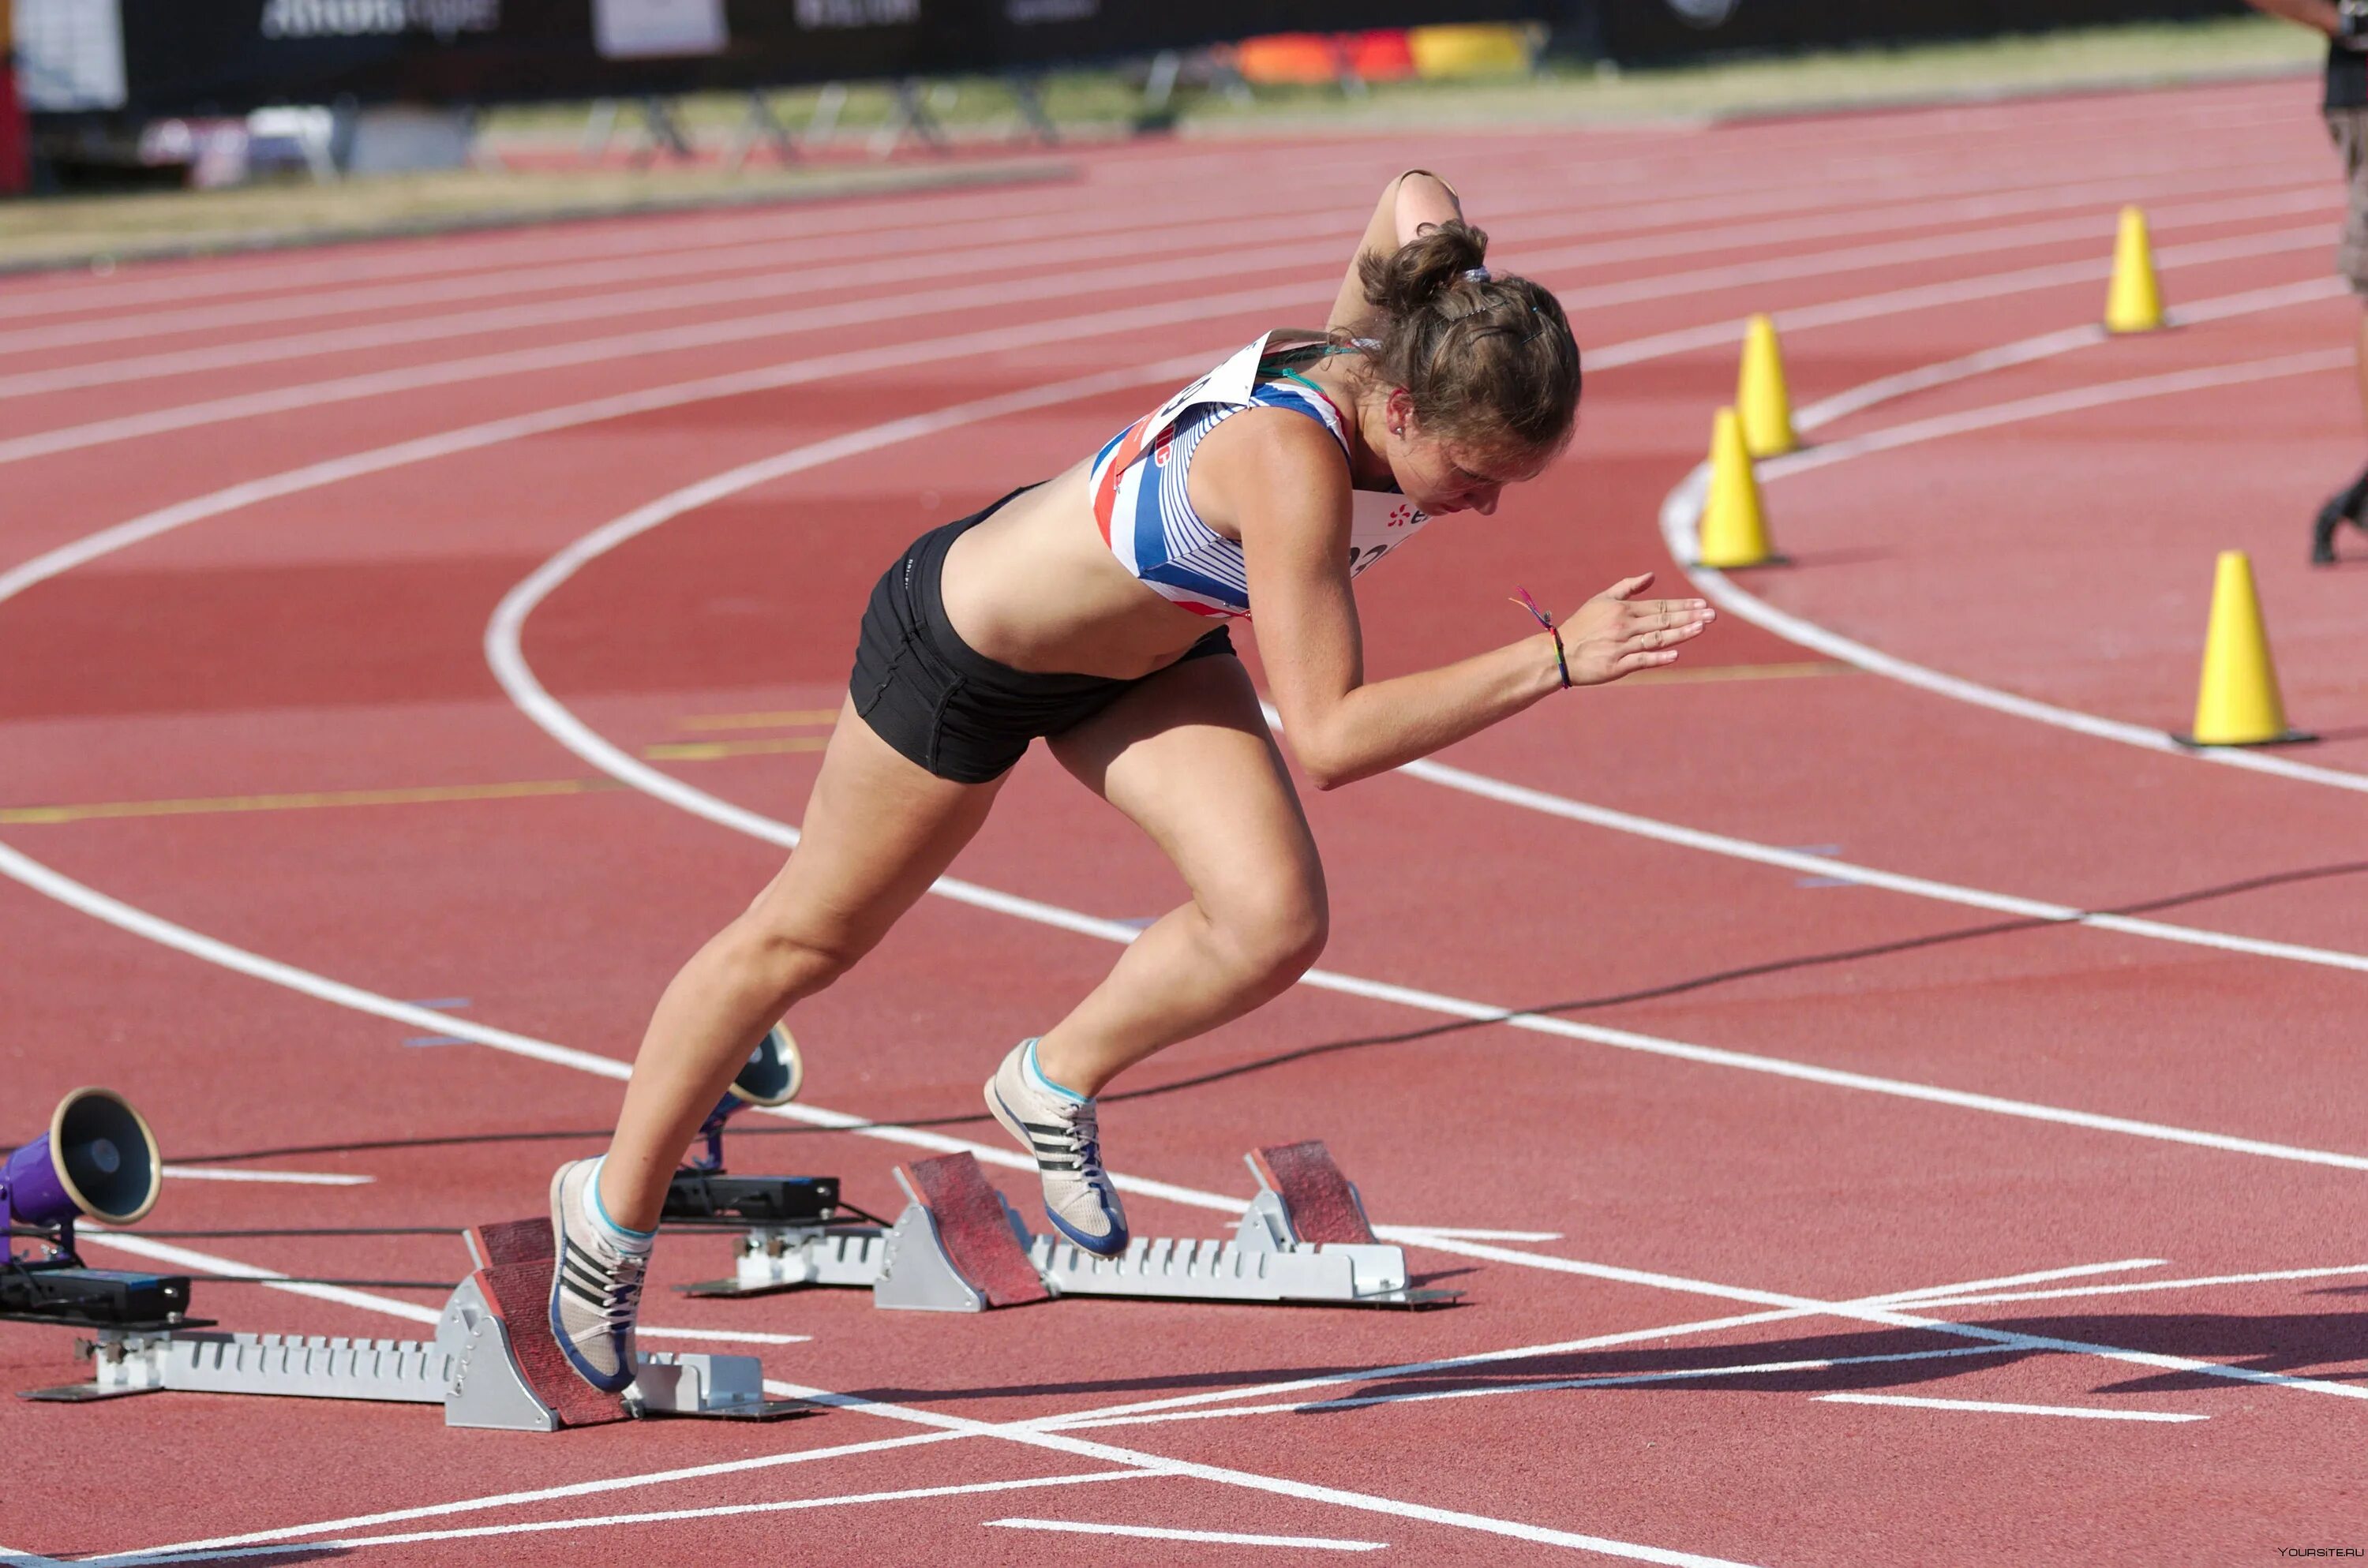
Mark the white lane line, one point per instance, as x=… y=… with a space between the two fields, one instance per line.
x=472 y=438
x=12 y=1558
x=1218 y=1538
x=1564 y=1347
x=2044 y=405
x=723 y=1336
x=521 y=262
x=680 y=246
x=940 y=260
x=952 y=1426
x=1932 y=296
x=290 y=1179
x=1905 y=1319
x=1847 y=871
x=945 y=1428
x=1552 y=1385
x=737 y=330
x=613 y=1521
x=1681 y=512
x=2073 y=1410
x=1956 y=1299
x=188 y=1257
x=270 y=1278
x=1047 y=287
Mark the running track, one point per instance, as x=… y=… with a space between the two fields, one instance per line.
x=423 y=642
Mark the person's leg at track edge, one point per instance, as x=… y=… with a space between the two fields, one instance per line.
x=2349 y=128
x=1187 y=756
x=2345 y=103
x=878 y=830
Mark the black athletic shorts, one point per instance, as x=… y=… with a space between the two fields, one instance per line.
x=947 y=706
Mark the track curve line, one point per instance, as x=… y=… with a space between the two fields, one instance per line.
x=505 y=656
x=1054 y=287
x=1681 y=510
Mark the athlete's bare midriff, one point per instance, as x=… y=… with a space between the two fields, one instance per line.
x=1035 y=587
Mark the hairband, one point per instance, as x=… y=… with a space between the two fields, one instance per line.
x=1476 y=274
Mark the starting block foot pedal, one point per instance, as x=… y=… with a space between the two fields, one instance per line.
x=515 y=1282
x=1320 y=1204
x=958 y=1246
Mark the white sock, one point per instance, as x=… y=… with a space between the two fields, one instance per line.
x=624 y=1238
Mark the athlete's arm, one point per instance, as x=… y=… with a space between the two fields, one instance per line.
x=1287 y=493
x=1415 y=197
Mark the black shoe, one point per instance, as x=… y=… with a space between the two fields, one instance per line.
x=2343 y=506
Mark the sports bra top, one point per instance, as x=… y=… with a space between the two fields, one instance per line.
x=1145 y=512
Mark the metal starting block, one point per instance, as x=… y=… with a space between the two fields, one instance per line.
x=475 y=1368
x=959 y=1246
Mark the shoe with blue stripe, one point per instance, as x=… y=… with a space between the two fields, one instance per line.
x=596 y=1287
x=1058 y=1129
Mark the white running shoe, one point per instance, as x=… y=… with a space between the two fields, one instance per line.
x=1058 y=1129
x=596 y=1287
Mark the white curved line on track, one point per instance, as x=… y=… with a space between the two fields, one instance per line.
x=1060 y=286
x=1867 y=876
x=1681 y=512
x=505 y=656
x=942 y=260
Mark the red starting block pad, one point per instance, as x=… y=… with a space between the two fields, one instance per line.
x=515 y=1280
x=1320 y=1203
x=960 y=1247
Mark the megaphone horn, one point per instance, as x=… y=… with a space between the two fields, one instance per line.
x=97 y=1158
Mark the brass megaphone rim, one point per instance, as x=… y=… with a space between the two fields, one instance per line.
x=82 y=1199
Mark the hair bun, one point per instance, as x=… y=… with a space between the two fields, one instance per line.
x=1418 y=272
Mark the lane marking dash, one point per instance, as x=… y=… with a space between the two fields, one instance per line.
x=1997 y=1408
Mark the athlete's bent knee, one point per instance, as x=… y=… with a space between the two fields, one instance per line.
x=790 y=963
x=1275 y=939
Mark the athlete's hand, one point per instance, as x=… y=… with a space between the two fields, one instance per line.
x=1615 y=633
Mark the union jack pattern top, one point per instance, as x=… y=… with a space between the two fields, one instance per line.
x=1146 y=513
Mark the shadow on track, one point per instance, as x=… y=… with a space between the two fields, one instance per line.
x=1403 y=1037
x=2324 y=1347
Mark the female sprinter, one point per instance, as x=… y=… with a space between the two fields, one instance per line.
x=1093 y=610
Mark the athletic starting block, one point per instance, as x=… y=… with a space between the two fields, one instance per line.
x=958 y=1247
x=481 y=1372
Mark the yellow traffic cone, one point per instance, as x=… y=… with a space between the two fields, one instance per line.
x=2238 y=704
x=1734 y=533
x=2134 y=302
x=1760 y=394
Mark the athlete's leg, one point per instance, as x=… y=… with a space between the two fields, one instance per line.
x=878 y=830
x=1187 y=756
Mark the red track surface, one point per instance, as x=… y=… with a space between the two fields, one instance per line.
x=286 y=646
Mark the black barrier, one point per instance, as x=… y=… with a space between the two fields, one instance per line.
x=197 y=57
x=1659 y=31
x=190 y=57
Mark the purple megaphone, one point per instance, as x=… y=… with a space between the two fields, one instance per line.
x=98 y=1159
